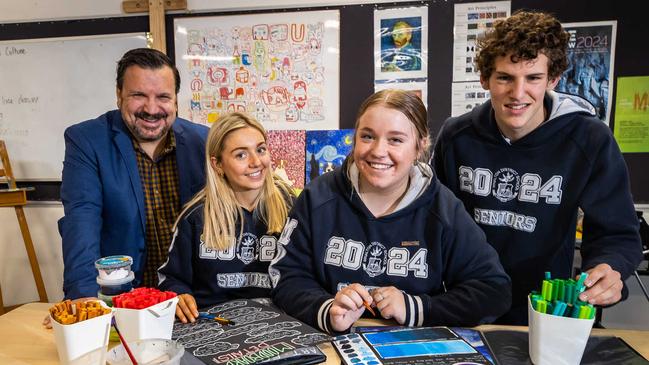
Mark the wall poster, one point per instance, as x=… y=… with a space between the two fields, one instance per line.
x=466 y=96
x=591 y=54
x=283 y=68
x=401 y=43
x=631 y=127
x=472 y=20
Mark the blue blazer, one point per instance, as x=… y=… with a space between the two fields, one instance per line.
x=103 y=198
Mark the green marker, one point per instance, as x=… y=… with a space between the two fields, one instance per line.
x=543 y=306
x=576 y=311
x=546 y=290
x=580 y=282
x=561 y=290
x=570 y=293
x=555 y=289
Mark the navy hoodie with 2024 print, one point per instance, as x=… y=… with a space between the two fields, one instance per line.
x=525 y=194
x=430 y=249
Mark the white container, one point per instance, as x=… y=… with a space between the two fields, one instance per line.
x=114 y=267
x=83 y=342
x=555 y=340
x=151 y=351
x=156 y=321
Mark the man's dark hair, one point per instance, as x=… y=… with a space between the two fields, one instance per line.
x=146 y=58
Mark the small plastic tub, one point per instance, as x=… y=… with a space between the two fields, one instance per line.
x=114 y=267
x=147 y=352
x=114 y=287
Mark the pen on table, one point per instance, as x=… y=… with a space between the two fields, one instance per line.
x=218 y=319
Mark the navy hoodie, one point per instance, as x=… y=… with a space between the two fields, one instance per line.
x=525 y=194
x=213 y=276
x=429 y=249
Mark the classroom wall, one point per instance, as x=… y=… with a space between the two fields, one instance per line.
x=14 y=11
x=16 y=278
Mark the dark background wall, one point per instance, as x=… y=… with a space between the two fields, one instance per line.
x=356 y=56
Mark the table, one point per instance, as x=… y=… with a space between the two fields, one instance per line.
x=26 y=341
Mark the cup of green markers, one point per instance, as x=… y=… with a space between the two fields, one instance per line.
x=559 y=323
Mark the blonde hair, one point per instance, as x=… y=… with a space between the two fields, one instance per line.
x=221 y=209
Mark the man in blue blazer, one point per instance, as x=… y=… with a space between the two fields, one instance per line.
x=127 y=173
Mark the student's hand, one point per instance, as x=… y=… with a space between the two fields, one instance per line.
x=390 y=302
x=47 y=321
x=604 y=286
x=186 y=309
x=348 y=306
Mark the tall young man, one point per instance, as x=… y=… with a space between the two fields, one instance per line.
x=525 y=161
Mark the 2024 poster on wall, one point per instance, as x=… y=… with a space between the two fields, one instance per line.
x=591 y=56
x=282 y=68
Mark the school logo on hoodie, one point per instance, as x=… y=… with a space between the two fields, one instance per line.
x=247 y=248
x=375 y=259
x=505 y=185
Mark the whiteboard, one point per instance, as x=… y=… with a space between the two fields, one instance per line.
x=49 y=84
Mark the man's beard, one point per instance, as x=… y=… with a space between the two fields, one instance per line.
x=141 y=132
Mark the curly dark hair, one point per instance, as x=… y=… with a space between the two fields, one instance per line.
x=523 y=36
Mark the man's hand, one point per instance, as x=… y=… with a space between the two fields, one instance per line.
x=186 y=309
x=604 y=286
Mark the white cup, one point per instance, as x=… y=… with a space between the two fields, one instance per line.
x=156 y=321
x=83 y=342
x=556 y=340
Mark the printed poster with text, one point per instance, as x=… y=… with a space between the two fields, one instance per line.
x=471 y=21
x=591 y=52
x=466 y=96
x=282 y=68
x=631 y=127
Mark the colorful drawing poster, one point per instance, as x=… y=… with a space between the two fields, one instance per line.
x=401 y=43
x=326 y=150
x=420 y=88
x=591 y=54
x=287 y=151
x=282 y=68
x=631 y=127
x=467 y=95
x=471 y=21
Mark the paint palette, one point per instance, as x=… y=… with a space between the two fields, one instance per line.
x=401 y=346
x=354 y=350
